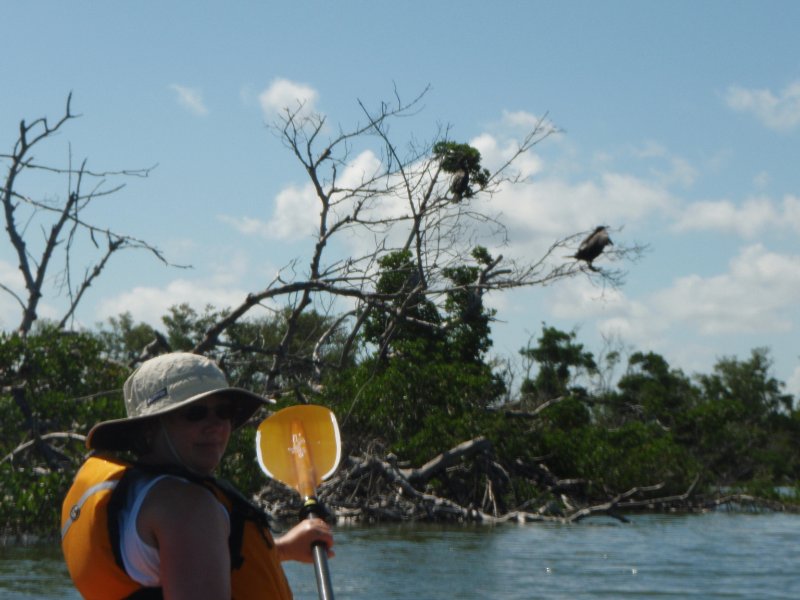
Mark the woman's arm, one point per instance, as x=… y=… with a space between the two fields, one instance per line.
x=190 y=529
x=296 y=543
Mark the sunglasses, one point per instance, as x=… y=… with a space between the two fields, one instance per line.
x=199 y=412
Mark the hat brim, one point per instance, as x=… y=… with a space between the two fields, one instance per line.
x=115 y=434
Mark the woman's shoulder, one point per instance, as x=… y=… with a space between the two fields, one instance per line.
x=172 y=495
x=178 y=507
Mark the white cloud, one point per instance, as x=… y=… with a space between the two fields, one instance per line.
x=520 y=118
x=539 y=212
x=494 y=155
x=695 y=320
x=779 y=112
x=297 y=209
x=614 y=314
x=245 y=225
x=554 y=205
x=527 y=122
x=362 y=168
x=678 y=170
x=149 y=304
x=296 y=213
x=10 y=309
x=791 y=212
x=11 y=277
x=746 y=220
x=190 y=98
x=761 y=180
x=793 y=384
x=756 y=295
x=229 y=269
x=681 y=172
x=282 y=94
x=754 y=216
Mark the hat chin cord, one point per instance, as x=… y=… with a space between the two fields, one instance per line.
x=174 y=451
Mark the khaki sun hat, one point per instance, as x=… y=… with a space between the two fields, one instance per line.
x=164 y=384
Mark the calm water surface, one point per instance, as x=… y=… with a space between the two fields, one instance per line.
x=710 y=556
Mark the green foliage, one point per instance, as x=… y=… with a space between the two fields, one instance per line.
x=469 y=336
x=559 y=358
x=428 y=386
x=416 y=406
x=432 y=390
x=124 y=340
x=742 y=428
x=53 y=382
x=31 y=500
x=455 y=157
x=651 y=392
x=733 y=427
x=185 y=327
x=406 y=315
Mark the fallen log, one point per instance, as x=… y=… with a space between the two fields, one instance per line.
x=446 y=459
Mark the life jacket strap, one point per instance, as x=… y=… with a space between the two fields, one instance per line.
x=75 y=511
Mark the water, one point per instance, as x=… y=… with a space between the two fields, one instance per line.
x=713 y=556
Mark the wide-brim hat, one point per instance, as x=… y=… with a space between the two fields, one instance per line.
x=164 y=384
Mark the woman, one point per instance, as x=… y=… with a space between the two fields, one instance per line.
x=162 y=525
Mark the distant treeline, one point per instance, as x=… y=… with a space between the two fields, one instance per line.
x=554 y=445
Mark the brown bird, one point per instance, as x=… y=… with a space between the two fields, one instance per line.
x=593 y=246
x=459 y=185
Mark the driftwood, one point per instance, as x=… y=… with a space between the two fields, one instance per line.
x=36 y=442
x=372 y=488
x=447 y=459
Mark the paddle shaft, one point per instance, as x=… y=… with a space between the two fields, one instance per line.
x=306 y=479
x=320 y=552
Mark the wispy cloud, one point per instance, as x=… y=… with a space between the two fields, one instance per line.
x=793 y=384
x=727 y=303
x=245 y=225
x=10 y=310
x=677 y=171
x=752 y=217
x=190 y=99
x=283 y=93
x=150 y=304
x=780 y=112
x=755 y=295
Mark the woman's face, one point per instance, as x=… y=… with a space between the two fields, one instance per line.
x=199 y=434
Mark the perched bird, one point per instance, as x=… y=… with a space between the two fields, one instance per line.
x=459 y=185
x=593 y=246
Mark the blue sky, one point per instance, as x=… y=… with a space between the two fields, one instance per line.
x=680 y=120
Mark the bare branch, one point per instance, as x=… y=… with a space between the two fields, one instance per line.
x=399 y=203
x=61 y=222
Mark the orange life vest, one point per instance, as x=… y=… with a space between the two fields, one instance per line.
x=90 y=537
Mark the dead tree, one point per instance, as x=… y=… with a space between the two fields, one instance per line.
x=396 y=197
x=61 y=222
x=53 y=255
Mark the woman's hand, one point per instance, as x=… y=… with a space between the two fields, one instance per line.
x=296 y=543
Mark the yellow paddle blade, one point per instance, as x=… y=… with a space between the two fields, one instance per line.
x=299 y=446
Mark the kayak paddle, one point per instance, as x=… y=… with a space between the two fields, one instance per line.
x=300 y=447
